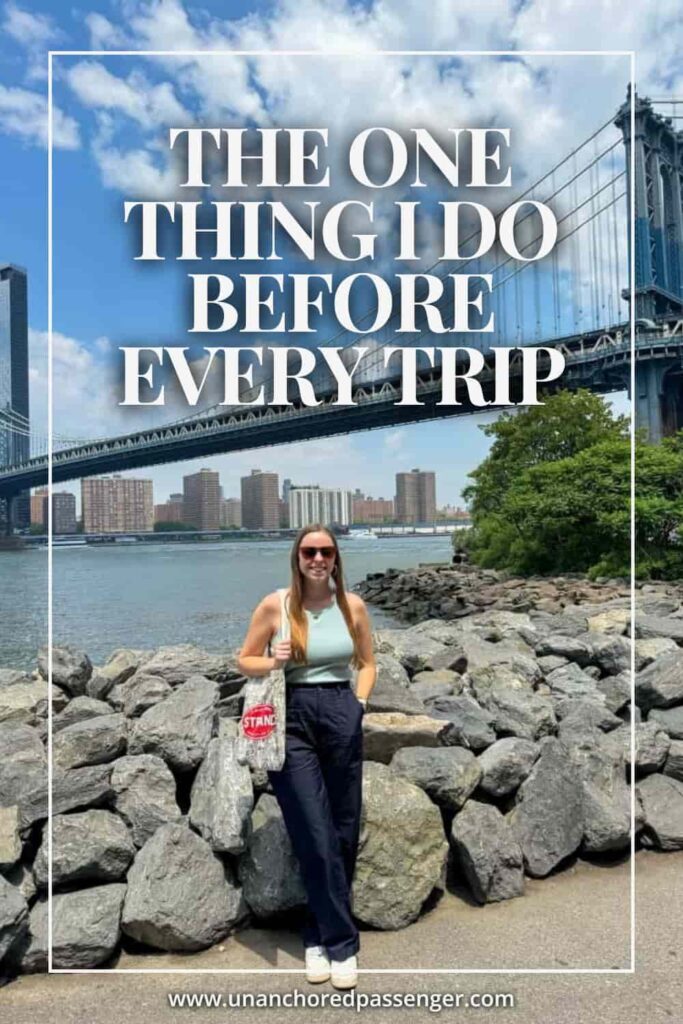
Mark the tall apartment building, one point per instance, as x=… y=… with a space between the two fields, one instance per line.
x=63 y=512
x=14 y=407
x=315 y=504
x=260 y=501
x=171 y=511
x=416 y=496
x=112 y=504
x=231 y=512
x=37 y=506
x=372 y=510
x=202 y=500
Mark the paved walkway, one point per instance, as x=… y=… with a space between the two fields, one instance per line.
x=579 y=918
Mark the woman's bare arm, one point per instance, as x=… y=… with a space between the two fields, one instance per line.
x=252 y=659
x=367 y=673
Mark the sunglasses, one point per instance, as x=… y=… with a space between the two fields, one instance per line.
x=327 y=552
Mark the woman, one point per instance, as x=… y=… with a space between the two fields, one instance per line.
x=319 y=786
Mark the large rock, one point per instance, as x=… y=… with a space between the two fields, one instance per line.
x=180 y=896
x=548 y=816
x=660 y=685
x=80 y=709
x=416 y=653
x=612 y=654
x=144 y=794
x=517 y=656
x=519 y=712
x=448 y=775
x=673 y=765
x=13 y=916
x=21 y=697
x=606 y=796
x=179 y=663
x=93 y=846
x=661 y=797
x=93 y=741
x=488 y=853
x=72 y=790
x=10 y=841
x=578 y=649
x=471 y=725
x=648 y=651
x=616 y=691
x=71 y=668
x=120 y=666
x=506 y=764
x=648 y=626
x=577 y=714
x=23 y=765
x=384 y=734
x=670 y=720
x=222 y=796
x=572 y=681
x=179 y=729
x=269 y=870
x=612 y=620
x=390 y=670
x=138 y=694
x=651 y=742
x=387 y=696
x=29 y=955
x=86 y=926
x=402 y=850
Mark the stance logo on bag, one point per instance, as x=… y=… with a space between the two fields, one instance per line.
x=258 y=721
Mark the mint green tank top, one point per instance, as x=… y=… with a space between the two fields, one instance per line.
x=328 y=652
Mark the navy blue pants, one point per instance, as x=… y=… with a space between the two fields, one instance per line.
x=319 y=791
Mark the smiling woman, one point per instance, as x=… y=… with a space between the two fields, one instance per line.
x=319 y=787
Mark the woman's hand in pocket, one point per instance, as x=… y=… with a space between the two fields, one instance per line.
x=282 y=652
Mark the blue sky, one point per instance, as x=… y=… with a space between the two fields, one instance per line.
x=110 y=133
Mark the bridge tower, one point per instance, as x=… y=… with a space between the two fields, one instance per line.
x=658 y=290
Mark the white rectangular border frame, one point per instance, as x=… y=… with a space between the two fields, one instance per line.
x=351 y=53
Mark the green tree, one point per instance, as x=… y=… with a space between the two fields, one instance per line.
x=567 y=423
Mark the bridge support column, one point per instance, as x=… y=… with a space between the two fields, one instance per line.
x=658 y=399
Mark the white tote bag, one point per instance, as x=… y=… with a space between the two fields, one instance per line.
x=261 y=740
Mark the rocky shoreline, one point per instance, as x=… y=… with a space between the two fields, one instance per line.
x=496 y=747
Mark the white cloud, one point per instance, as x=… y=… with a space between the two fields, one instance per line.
x=24 y=113
x=36 y=33
x=152 y=106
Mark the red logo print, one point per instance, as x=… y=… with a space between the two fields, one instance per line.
x=258 y=721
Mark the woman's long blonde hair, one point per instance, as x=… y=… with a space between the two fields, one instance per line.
x=297 y=618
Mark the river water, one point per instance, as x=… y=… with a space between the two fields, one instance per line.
x=149 y=595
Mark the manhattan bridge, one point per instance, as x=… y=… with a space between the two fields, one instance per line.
x=576 y=300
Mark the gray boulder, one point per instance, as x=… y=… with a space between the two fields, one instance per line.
x=572 y=681
x=76 y=789
x=139 y=693
x=471 y=725
x=180 y=896
x=269 y=870
x=402 y=850
x=661 y=797
x=505 y=765
x=606 y=796
x=577 y=649
x=417 y=653
x=144 y=794
x=86 y=926
x=548 y=816
x=10 y=840
x=673 y=765
x=577 y=714
x=611 y=653
x=13 y=916
x=648 y=651
x=384 y=734
x=80 y=709
x=179 y=729
x=648 y=626
x=670 y=720
x=616 y=690
x=448 y=775
x=390 y=669
x=222 y=797
x=23 y=765
x=120 y=666
x=21 y=698
x=71 y=668
x=520 y=712
x=488 y=853
x=660 y=685
x=93 y=846
x=179 y=663
x=93 y=741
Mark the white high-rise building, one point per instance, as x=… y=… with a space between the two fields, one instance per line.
x=315 y=504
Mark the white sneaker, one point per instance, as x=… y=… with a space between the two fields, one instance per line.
x=345 y=972
x=317 y=964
